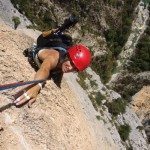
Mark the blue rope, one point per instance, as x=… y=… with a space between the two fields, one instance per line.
x=15 y=85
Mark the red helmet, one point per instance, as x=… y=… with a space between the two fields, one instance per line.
x=80 y=56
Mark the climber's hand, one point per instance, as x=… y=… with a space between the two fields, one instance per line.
x=28 y=94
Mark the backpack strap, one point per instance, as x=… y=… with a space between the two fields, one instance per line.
x=60 y=49
x=62 y=54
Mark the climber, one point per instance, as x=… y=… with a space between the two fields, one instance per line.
x=61 y=57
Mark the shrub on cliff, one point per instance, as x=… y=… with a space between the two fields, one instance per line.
x=124 y=131
x=104 y=66
x=16 y=21
x=116 y=107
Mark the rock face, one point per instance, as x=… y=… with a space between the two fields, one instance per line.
x=7 y=12
x=56 y=120
x=137 y=138
x=141 y=102
x=138 y=27
x=141 y=105
x=60 y=119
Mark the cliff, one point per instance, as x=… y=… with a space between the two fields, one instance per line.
x=141 y=105
x=56 y=121
x=86 y=113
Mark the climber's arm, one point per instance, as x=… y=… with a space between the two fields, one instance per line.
x=50 y=60
x=31 y=92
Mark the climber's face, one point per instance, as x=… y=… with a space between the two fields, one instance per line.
x=68 y=66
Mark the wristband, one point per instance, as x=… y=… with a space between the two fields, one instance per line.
x=40 y=85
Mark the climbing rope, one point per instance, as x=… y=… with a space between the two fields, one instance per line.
x=17 y=84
